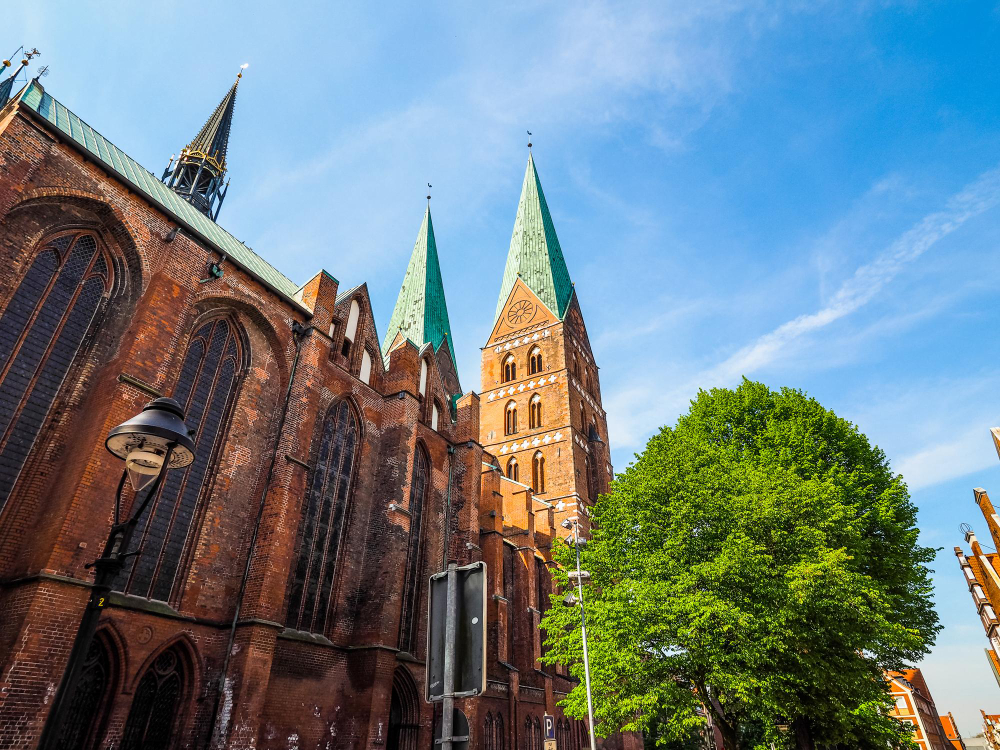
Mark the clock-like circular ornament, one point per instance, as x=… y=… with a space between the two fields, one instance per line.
x=520 y=312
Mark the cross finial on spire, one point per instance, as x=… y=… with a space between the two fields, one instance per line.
x=529 y=140
x=429 y=186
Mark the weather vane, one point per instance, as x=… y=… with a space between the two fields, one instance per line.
x=28 y=56
x=529 y=139
x=429 y=186
x=243 y=67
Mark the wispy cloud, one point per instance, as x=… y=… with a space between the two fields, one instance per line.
x=637 y=410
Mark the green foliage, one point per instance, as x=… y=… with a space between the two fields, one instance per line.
x=759 y=558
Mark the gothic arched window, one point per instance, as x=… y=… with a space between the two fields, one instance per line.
x=323 y=522
x=501 y=738
x=411 y=586
x=537 y=734
x=509 y=369
x=206 y=390
x=510 y=418
x=512 y=472
x=535 y=412
x=89 y=705
x=41 y=331
x=351 y=331
x=538 y=472
x=535 y=361
x=488 y=742
x=152 y=719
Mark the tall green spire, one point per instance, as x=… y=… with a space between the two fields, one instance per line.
x=534 y=253
x=421 y=314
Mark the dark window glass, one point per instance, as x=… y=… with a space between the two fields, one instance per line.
x=538 y=473
x=323 y=522
x=89 y=703
x=152 y=718
x=41 y=332
x=411 y=590
x=500 y=736
x=206 y=389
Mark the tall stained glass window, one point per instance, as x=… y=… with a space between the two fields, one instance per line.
x=206 y=390
x=411 y=587
x=42 y=329
x=325 y=514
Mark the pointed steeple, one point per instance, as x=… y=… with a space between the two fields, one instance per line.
x=198 y=173
x=5 y=88
x=534 y=253
x=421 y=314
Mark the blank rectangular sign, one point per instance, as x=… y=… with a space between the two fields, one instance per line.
x=470 y=632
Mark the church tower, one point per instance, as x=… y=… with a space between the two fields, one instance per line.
x=541 y=413
x=198 y=173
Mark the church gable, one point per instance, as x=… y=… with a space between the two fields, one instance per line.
x=522 y=312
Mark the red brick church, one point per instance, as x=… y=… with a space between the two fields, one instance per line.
x=277 y=594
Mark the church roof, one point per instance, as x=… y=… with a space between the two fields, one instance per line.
x=129 y=171
x=534 y=253
x=421 y=313
x=213 y=138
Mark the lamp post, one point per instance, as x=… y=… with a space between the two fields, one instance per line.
x=580 y=576
x=151 y=442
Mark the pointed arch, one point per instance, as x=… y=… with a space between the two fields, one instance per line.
x=365 y=374
x=513 y=471
x=501 y=738
x=404 y=712
x=538 y=472
x=419 y=482
x=510 y=418
x=509 y=369
x=536 y=734
x=535 y=361
x=351 y=329
x=535 y=412
x=87 y=714
x=46 y=324
x=488 y=737
x=155 y=716
x=325 y=515
x=207 y=388
x=422 y=388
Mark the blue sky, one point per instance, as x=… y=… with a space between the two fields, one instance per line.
x=805 y=193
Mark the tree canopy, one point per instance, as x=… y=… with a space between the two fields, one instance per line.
x=758 y=561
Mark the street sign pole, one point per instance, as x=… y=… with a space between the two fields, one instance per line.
x=451 y=621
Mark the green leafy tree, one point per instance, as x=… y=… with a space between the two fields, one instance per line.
x=759 y=559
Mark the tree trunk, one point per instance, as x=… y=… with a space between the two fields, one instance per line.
x=803 y=734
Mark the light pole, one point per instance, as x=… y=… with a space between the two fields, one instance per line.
x=151 y=442
x=580 y=575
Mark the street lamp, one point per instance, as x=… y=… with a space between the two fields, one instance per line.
x=580 y=576
x=151 y=442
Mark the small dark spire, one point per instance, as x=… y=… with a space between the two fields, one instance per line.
x=7 y=84
x=199 y=173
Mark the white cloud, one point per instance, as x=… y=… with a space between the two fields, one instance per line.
x=635 y=411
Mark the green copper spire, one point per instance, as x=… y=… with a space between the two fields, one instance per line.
x=421 y=314
x=534 y=253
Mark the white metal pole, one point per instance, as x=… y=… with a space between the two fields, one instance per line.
x=583 y=632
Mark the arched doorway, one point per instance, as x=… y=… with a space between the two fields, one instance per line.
x=404 y=713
